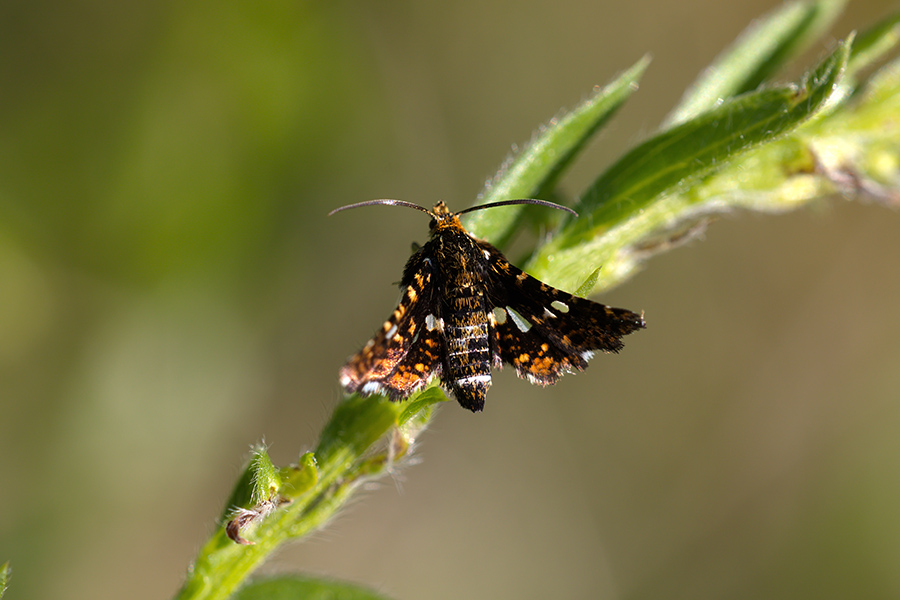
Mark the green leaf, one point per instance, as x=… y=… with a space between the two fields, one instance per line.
x=759 y=51
x=4 y=577
x=289 y=587
x=585 y=289
x=677 y=158
x=422 y=402
x=537 y=166
x=265 y=481
x=301 y=478
x=260 y=481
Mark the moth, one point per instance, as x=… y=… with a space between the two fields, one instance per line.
x=465 y=309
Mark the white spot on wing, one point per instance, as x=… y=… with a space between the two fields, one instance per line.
x=560 y=306
x=548 y=314
x=519 y=320
x=432 y=323
x=499 y=315
x=487 y=254
x=391 y=331
x=587 y=355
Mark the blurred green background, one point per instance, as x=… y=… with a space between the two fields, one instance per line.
x=171 y=292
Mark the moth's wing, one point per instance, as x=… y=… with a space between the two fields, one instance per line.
x=405 y=353
x=544 y=332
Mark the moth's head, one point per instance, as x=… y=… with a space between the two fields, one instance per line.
x=440 y=210
x=442 y=218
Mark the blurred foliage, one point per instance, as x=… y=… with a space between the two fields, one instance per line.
x=184 y=138
x=158 y=166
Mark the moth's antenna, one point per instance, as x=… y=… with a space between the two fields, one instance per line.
x=386 y=201
x=520 y=201
x=392 y=202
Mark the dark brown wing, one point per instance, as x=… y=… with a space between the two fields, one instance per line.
x=544 y=332
x=405 y=353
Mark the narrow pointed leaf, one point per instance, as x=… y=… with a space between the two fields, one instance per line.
x=584 y=290
x=265 y=480
x=422 y=403
x=553 y=148
x=760 y=50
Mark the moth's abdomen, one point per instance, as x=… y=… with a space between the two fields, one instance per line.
x=467 y=368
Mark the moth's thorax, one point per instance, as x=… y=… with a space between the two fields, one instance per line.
x=460 y=258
